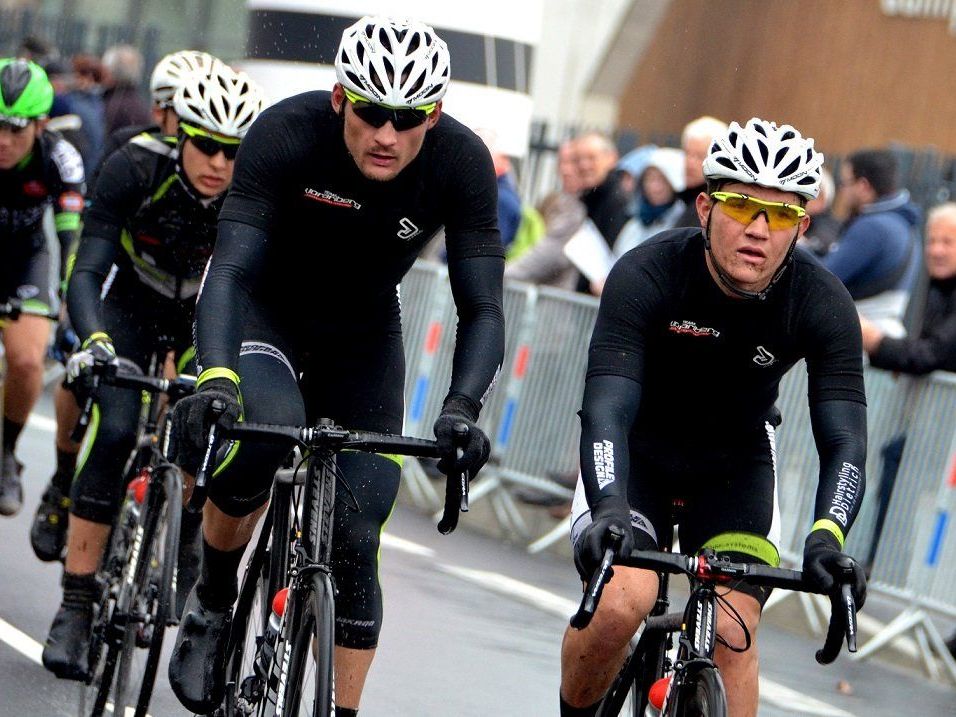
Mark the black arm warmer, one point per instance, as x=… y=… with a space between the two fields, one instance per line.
x=610 y=407
x=839 y=429
x=235 y=267
x=94 y=258
x=476 y=283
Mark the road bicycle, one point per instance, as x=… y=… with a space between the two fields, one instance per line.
x=287 y=668
x=138 y=570
x=690 y=685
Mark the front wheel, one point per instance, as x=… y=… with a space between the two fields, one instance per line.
x=701 y=694
x=309 y=633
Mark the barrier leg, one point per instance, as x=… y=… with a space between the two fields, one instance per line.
x=419 y=486
x=562 y=529
x=901 y=624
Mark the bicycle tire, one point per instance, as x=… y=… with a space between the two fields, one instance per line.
x=150 y=597
x=265 y=573
x=701 y=694
x=104 y=647
x=310 y=635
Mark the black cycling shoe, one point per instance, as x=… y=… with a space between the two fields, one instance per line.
x=197 y=667
x=11 y=491
x=66 y=653
x=189 y=558
x=48 y=532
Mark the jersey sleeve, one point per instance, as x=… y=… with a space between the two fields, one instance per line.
x=68 y=204
x=261 y=172
x=835 y=356
x=471 y=225
x=630 y=299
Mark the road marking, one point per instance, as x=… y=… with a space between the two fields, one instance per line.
x=33 y=650
x=21 y=642
x=406 y=546
x=775 y=694
x=42 y=423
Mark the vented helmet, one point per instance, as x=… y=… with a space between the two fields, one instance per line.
x=399 y=63
x=171 y=71
x=219 y=100
x=762 y=153
x=25 y=91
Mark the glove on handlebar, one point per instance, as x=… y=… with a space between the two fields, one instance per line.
x=192 y=417
x=826 y=566
x=475 y=446
x=594 y=540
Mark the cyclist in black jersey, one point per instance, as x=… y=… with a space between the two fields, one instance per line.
x=37 y=169
x=147 y=237
x=334 y=197
x=48 y=531
x=695 y=330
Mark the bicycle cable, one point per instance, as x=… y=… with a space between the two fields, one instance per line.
x=727 y=607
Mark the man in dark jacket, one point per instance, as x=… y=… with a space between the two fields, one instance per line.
x=877 y=254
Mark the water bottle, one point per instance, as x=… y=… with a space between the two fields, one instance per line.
x=268 y=647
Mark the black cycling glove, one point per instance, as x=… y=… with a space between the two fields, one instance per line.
x=591 y=544
x=193 y=416
x=455 y=428
x=825 y=566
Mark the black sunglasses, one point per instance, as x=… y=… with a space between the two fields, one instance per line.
x=210 y=147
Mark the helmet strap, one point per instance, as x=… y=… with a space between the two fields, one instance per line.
x=729 y=283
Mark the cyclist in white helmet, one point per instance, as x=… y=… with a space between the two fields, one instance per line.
x=695 y=330
x=151 y=228
x=48 y=531
x=336 y=192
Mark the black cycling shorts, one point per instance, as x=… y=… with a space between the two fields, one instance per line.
x=25 y=271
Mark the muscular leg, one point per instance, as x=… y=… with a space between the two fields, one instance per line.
x=67 y=414
x=591 y=658
x=739 y=669
x=25 y=341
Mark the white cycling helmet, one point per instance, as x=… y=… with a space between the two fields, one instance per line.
x=762 y=153
x=401 y=63
x=221 y=100
x=171 y=71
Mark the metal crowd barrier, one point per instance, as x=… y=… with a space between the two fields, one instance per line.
x=532 y=420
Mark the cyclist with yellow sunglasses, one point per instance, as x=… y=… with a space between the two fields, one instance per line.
x=695 y=331
x=147 y=237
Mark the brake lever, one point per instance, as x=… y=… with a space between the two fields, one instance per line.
x=200 y=491
x=592 y=594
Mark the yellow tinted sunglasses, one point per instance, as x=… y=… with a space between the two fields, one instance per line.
x=744 y=209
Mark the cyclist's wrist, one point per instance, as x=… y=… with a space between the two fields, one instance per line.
x=823 y=538
x=217 y=374
x=97 y=337
x=461 y=404
x=828 y=531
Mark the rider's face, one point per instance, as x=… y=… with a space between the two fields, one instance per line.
x=380 y=153
x=208 y=175
x=749 y=253
x=15 y=145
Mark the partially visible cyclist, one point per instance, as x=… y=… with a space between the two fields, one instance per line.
x=48 y=532
x=695 y=330
x=37 y=169
x=334 y=197
x=147 y=237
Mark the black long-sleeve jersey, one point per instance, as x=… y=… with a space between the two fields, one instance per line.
x=51 y=174
x=146 y=220
x=704 y=369
x=303 y=233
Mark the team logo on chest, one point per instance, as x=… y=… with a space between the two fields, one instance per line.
x=764 y=358
x=408 y=230
x=690 y=328
x=331 y=198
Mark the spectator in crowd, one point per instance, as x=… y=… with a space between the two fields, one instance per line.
x=86 y=100
x=931 y=347
x=603 y=191
x=36 y=49
x=509 y=202
x=876 y=255
x=563 y=213
x=124 y=104
x=824 y=228
x=632 y=165
x=695 y=141
x=658 y=201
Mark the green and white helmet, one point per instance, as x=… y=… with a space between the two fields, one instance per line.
x=25 y=91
